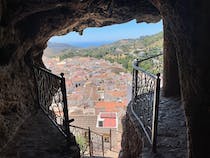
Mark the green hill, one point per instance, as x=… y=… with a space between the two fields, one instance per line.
x=122 y=51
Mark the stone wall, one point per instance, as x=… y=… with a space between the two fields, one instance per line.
x=188 y=23
x=17 y=99
x=132 y=142
x=25 y=28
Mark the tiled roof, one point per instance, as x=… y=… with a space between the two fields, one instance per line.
x=110 y=123
x=110 y=106
x=109 y=119
x=108 y=115
x=117 y=93
x=85 y=121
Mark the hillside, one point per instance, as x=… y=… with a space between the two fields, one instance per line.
x=122 y=51
x=57 y=49
x=144 y=42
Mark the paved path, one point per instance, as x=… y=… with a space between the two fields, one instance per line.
x=38 y=138
x=172 y=131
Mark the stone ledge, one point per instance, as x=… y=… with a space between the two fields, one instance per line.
x=172 y=131
x=38 y=137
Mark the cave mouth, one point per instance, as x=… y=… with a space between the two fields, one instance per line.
x=99 y=78
x=25 y=29
x=26 y=26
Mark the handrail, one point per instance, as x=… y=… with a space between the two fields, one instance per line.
x=86 y=129
x=142 y=70
x=78 y=127
x=137 y=62
x=54 y=122
x=153 y=56
x=96 y=133
x=92 y=140
x=48 y=71
x=145 y=100
x=52 y=99
x=141 y=123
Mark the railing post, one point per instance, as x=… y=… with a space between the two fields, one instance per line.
x=110 y=135
x=133 y=84
x=102 y=139
x=136 y=79
x=65 y=107
x=89 y=141
x=155 y=114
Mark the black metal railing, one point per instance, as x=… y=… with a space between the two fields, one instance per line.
x=145 y=97
x=82 y=138
x=91 y=143
x=51 y=92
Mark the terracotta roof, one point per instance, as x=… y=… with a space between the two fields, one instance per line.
x=117 y=93
x=108 y=115
x=109 y=119
x=85 y=121
x=110 y=123
x=75 y=96
x=110 y=106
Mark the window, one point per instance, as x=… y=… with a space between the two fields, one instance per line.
x=100 y=123
x=106 y=139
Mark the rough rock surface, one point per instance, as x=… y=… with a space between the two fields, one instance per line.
x=38 y=137
x=172 y=133
x=26 y=26
x=191 y=44
x=17 y=99
x=172 y=129
x=131 y=144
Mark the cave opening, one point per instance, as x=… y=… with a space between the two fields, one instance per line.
x=26 y=26
x=98 y=76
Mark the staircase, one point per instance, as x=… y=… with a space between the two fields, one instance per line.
x=38 y=137
x=46 y=133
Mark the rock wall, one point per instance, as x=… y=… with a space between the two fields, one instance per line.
x=132 y=142
x=17 y=99
x=189 y=24
x=171 y=85
x=25 y=28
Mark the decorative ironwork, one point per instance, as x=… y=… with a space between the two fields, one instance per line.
x=115 y=138
x=82 y=139
x=90 y=142
x=145 y=97
x=51 y=94
x=97 y=141
x=152 y=64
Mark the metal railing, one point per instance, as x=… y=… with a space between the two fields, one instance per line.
x=52 y=99
x=145 y=99
x=97 y=142
x=91 y=143
x=51 y=92
x=82 y=138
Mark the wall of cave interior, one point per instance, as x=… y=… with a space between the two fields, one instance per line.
x=27 y=25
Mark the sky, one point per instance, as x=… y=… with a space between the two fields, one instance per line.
x=108 y=34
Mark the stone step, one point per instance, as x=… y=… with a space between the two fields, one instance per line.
x=114 y=156
x=38 y=137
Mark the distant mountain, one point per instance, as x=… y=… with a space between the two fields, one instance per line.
x=123 y=51
x=125 y=46
x=57 y=49
x=144 y=42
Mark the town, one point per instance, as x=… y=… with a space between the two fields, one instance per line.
x=97 y=93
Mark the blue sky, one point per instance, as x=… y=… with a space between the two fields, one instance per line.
x=110 y=34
